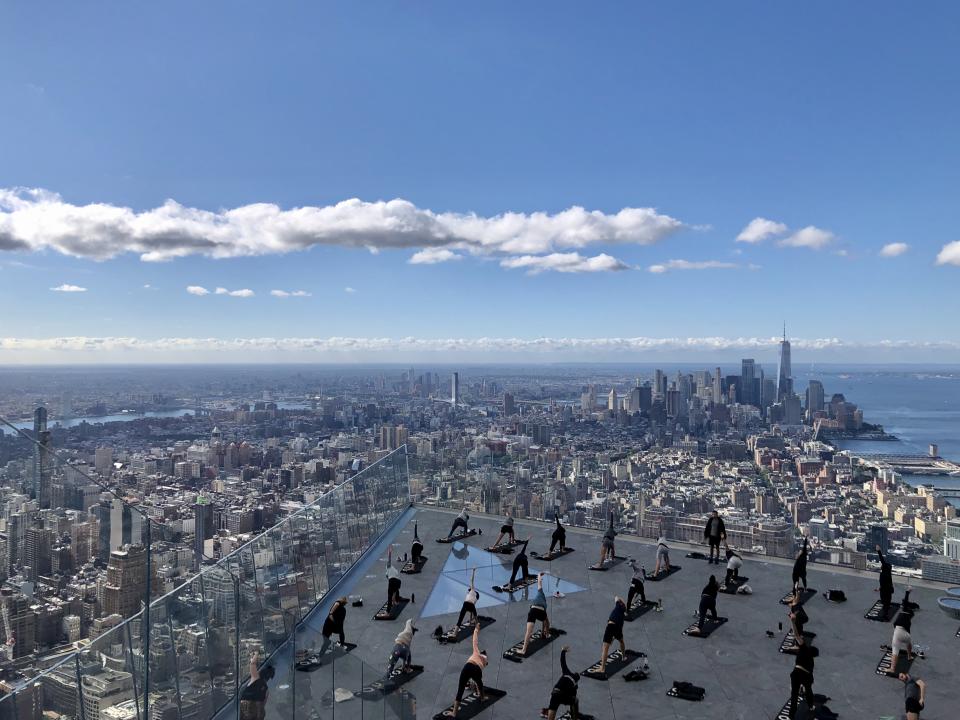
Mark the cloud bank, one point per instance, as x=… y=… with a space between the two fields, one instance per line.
x=760 y=229
x=67 y=288
x=489 y=349
x=291 y=293
x=691 y=265
x=564 y=263
x=891 y=250
x=37 y=220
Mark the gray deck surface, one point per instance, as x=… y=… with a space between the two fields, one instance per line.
x=739 y=666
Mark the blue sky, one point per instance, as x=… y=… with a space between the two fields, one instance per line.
x=710 y=114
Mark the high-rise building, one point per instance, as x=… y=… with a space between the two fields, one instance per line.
x=785 y=374
x=612 y=399
x=717 y=388
x=202 y=527
x=41 y=458
x=748 y=376
x=126 y=583
x=103 y=460
x=633 y=403
x=508 y=406
x=455 y=389
x=815 y=396
x=659 y=384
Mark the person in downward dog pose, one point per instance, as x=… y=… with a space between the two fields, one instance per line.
x=520 y=562
x=559 y=536
x=470 y=601
x=607 y=551
x=472 y=672
x=506 y=530
x=901 y=641
x=663 y=556
x=734 y=563
x=460 y=521
x=538 y=612
x=636 y=583
x=334 y=623
x=613 y=631
x=565 y=691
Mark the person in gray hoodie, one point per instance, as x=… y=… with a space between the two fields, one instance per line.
x=401 y=648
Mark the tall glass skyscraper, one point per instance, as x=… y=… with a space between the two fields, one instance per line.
x=785 y=375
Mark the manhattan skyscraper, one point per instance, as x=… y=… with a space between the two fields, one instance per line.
x=785 y=375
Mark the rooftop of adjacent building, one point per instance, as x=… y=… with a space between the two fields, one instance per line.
x=744 y=674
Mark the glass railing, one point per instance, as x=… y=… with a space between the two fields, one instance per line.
x=186 y=655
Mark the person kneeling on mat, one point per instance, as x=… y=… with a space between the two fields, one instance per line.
x=393 y=582
x=472 y=672
x=559 y=536
x=416 y=550
x=800 y=567
x=901 y=641
x=708 y=602
x=636 y=583
x=663 y=556
x=613 y=631
x=537 y=613
x=606 y=545
x=734 y=563
x=565 y=691
x=460 y=521
x=334 y=624
x=470 y=601
x=713 y=533
x=401 y=648
x=520 y=563
x=914 y=693
x=506 y=529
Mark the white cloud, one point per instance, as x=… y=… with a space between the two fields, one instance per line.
x=290 y=293
x=691 y=265
x=432 y=256
x=949 y=254
x=565 y=263
x=891 y=250
x=808 y=237
x=349 y=289
x=67 y=288
x=760 y=229
x=197 y=290
x=36 y=219
x=244 y=293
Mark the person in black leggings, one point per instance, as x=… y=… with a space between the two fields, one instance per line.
x=416 y=550
x=393 y=582
x=559 y=536
x=613 y=631
x=506 y=530
x=734 y=563
x=607 y=550
x=800 y=567
x=334 y=624
x=565 y=691
x=636 y=583
x=708 y=602
x=472 y=672
x=469 y=606
x=798 y=616
x=886 y=581
x=460 y=521
x=801 y=678
x=520 y=563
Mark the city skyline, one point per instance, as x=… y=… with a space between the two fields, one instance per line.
x=531 y=195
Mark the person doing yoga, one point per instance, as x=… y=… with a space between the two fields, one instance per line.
x=798 y=616
x=470 y=601
x=401 y=648
x=708 y=602
x=506 y=529
x=334 y=623
x=393 y=582
x=559 y=536
x=416 y=550
x=901 y=641
x=914 y=693
x=472 y=672
x=565 y=691
x=734 y=563
x=520 y=563
x=537 y=613
x=606 y=545
x=714 y=532
x=636 y=583
x=801 y=677
x=613 y=631
x=663 y=555
x=886 y=581
x=460 y=521
x=800 y=566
